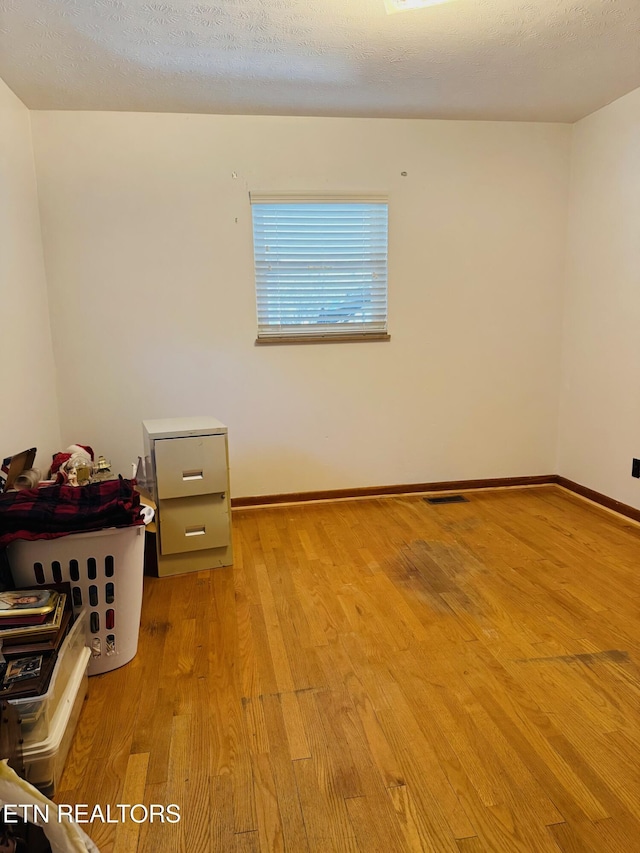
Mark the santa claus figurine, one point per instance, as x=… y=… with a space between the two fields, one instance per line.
x=74 y=466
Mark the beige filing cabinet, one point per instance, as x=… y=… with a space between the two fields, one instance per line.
x=190 y=463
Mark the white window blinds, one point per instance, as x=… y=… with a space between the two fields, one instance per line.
x=320 y=266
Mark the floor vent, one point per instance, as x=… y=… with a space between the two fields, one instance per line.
x=448 y=499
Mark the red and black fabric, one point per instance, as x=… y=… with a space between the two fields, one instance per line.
x=54 y=511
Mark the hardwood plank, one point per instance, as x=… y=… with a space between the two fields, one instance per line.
x=270 y=831
x=177 y=791
x=294 y=726
x=381 y=751
x=325 y=830
x=418 y=834
x=219 y=814
x=332 y=709
x=321 y=786
x=154 y=835
x=374 y=834
x=281 y=772
x=128 y=832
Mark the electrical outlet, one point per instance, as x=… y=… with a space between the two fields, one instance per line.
x=635 y=468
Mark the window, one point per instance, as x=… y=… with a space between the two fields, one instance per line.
x=321 y=268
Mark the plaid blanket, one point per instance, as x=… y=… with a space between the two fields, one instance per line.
x=53 y=511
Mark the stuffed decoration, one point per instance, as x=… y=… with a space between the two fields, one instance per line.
x=74 y=466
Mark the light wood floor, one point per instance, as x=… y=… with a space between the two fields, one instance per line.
x=383 y=675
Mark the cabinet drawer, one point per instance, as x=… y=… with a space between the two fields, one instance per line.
x=191 y=466
x=193 y=524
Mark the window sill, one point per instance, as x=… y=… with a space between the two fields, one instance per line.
x=323 y=339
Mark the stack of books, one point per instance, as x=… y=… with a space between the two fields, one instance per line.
x=33 y=624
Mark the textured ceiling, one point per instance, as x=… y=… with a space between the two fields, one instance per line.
x=547 y=60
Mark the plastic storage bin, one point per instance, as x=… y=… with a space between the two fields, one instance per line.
x=36 y=714
x=44 y=761
x=105 y=569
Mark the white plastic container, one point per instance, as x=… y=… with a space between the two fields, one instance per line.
x=106 y=570
x=37 y=713
x=44 y=761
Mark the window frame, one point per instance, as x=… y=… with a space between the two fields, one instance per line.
x=337 y=332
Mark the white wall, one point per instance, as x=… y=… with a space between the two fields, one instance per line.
x=600 y=414
x=149 y=255
x=29 y=405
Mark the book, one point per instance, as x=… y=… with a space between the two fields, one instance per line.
x=26 y=602
x=34 y=646
x=46 y=631
x=17 y=621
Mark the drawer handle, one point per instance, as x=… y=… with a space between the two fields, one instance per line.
x=192 y=475
x=195 y=531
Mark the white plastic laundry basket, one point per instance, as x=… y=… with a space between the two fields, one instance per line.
x=105 y=569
